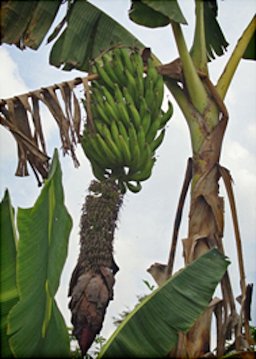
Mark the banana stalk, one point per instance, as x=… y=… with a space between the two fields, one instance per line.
x=206 y=115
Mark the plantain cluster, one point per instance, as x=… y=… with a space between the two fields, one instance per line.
x=128 y=123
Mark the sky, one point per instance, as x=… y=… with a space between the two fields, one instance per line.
x=146 y=219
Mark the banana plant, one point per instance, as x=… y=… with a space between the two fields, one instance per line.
x=207 y=117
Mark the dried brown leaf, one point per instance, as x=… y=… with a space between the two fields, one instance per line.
x=38 y=136
x=24 y=100
x=228 y=184
x=50 y=99
x=76 y=117
x=16 y=120
x=66 y=96
x=18 y=117
x=29 y=136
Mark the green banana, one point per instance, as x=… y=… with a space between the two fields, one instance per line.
x=125 y=151
x=159 y=85
x=157 y=142
x=141 y=137
x=99 y=127
x=92 y=151
x=118 y=93
x=143 y=107
x=146 y=122
x=112 y=145
x=159 y=92
x=97 y=95
x=152 y=74
x=134 y=115
x=134 y=148
x=165 y=117
x=98 y=172
x=126 y=59
x=145 y=173
x=119 y=69
x=109 y=98
x=146 y=153
x=132 y=86
x=104 y=149
x=138 y=72
x=99 y=110
x=111 y=111
x=127 y=96
x=150 y=96
x=98 y=107
x=108 y=68
x=104 y=76
x=123 y=114
x=123 y=131
x=114 y=131
x=140 y=87
x=137 y=63
x=150 y=135
x=96 y=154
x=93 y=69
x=134 y=188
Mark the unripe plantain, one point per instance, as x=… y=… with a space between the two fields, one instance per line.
x=126 y=107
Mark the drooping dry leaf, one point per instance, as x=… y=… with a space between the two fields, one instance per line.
x=77 y=117
x=21 y=116
x=38 y=136
x=50 y=99
x=67 y=94
x=16 y=120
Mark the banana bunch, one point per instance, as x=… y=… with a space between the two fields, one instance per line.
x=128 y=123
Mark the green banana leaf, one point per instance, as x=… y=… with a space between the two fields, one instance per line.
x=151 y=329
x=35 y=324
x=9 y=293
x=26 y=23
x=154 y=14
x=216 y=44
x=88 y=32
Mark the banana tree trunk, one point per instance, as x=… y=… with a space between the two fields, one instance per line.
x=206 y=224
x=206 y=208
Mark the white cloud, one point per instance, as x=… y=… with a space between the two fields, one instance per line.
x=11 y=82
x=251 y=133
x=241 y=162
